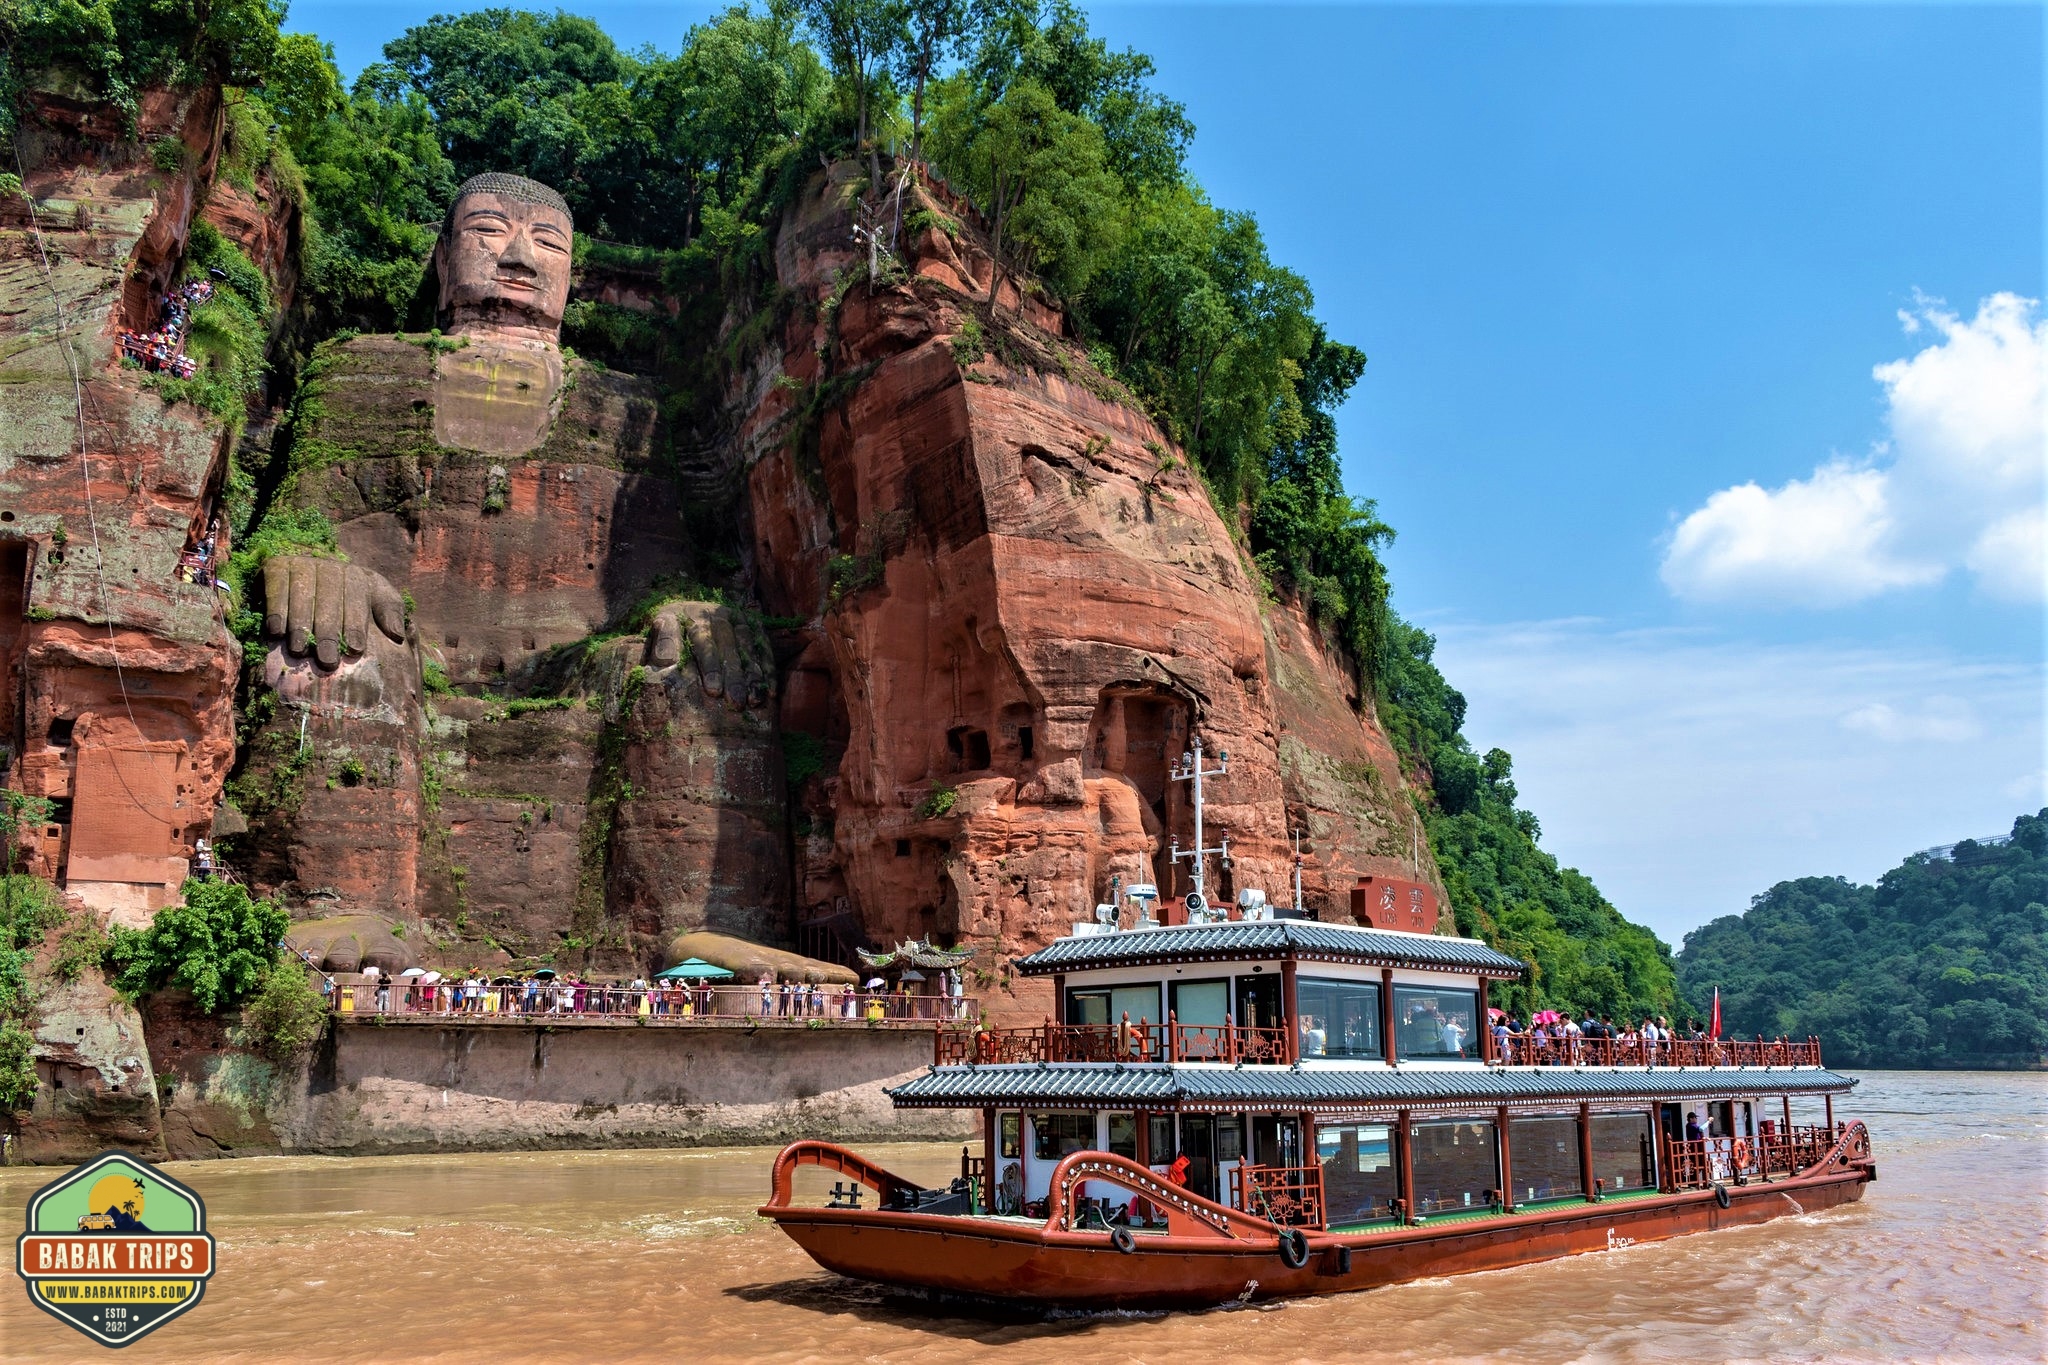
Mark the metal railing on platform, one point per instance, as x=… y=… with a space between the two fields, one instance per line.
x=588 y=1003
x=1528 y=1050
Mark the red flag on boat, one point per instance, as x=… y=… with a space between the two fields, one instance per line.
x=1714 y=1023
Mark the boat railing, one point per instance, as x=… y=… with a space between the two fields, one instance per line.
x=1530 y=1050
x=1696 y=1163
x=1291 y=1196
x=1126 y=1041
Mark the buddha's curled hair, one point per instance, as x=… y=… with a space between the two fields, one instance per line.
x=511 y=187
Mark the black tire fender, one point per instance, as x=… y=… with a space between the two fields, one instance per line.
x=1722 y=1197
x=1294 y=1248
x=1121 y=1239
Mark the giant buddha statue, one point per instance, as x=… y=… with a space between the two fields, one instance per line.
x=499 y=503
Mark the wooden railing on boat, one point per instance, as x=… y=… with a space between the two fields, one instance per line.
x=1142 y=1041
x=1699 y=1162
x=1291 y=1196
x=1524 y=1050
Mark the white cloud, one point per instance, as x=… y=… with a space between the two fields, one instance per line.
x=1960 y=483
x=1686 y=772
x=1941 y=720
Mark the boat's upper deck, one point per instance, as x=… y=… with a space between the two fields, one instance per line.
x=1301 y=941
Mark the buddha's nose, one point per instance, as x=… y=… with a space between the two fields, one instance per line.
x=519 y=254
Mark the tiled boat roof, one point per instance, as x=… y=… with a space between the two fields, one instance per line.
x=1109 y=1085
x=1268 y=938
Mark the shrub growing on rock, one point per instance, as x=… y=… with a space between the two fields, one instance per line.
x=218 y=945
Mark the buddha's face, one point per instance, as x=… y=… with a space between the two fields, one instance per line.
x=504 y=266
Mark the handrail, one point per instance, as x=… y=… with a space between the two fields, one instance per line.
x=585 y=1002
x=1143 y=1041
x=834 y=1158
x=1291 y=1196
x=1186 y=1213
x=1697 y=1163
x=1521 y=1049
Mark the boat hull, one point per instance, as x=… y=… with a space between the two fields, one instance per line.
x=1026 y=1263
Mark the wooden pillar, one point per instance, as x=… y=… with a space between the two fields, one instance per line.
x=1387 y=1015
x=1507 y=1165
x=1404 y=1153
x=988 y=1160
x=1143 y=1117
x=1830 y=1101
x=1059 y=997
x=1586 y=1149
x=1489 y=1051
x=1290 y=1009
x=1786 y=1132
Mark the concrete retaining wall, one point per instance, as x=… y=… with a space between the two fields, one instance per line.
x=420 y=1087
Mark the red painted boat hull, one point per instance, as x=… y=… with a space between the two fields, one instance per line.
x=1026 y=1263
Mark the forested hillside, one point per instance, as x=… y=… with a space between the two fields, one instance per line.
x=681 y=166
x=1944 y=963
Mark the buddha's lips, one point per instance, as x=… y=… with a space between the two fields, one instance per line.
x=506 y=282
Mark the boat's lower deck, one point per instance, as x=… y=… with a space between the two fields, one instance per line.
x=1208 y=1253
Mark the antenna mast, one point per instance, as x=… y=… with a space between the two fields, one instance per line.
x=1191 y=770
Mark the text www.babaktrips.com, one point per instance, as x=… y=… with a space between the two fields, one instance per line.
x=74 y=1291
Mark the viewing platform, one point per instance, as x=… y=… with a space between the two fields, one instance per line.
x=571 y=1005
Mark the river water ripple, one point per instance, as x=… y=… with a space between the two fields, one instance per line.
x=586 y=1256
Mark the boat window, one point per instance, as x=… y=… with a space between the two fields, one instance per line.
x=1338 y=1018
x=1544 y=1158
x=1123 y=1135
x=1455 y=1167
x=1258 y=1001
x=1433 y=1022
x=1012 y=1141
x=1102 y=1005
x=1359 y=1180
x=1205 y=1003
x=1624 y=1158
x=1161 y=1150
x=1230 y=1139
x=1058 y=1135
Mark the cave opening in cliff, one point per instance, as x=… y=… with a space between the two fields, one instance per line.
x=969 y=748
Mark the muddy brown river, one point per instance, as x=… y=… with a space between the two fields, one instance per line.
x=571 y=1256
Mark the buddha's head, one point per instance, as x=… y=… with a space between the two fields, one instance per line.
x=503 y=258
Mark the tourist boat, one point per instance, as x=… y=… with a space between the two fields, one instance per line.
x=1320 y=1109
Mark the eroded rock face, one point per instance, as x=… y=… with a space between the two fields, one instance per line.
x=119 y=673
x=1024 y=606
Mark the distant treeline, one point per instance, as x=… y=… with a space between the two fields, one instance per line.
x=1944 y=963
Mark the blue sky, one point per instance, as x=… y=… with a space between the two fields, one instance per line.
x=1743 y=606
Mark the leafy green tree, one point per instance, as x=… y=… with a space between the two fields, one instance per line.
x=861 y=40
x=1038 y=171
x=1047 y=43
x=217 y=945
x=742 y=87
x=17 y=1066
x=286 y=1015
x=933 y=31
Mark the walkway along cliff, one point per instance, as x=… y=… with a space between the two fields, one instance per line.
x=894 y=634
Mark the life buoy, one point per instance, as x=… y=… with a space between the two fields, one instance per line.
x=1294 y=1248
x=1741 y=1155
x=1722 y=1197
x=1121 y=1239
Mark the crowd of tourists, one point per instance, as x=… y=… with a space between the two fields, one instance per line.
x=164 y=349
x=1555 y=1035
x=548 y=994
